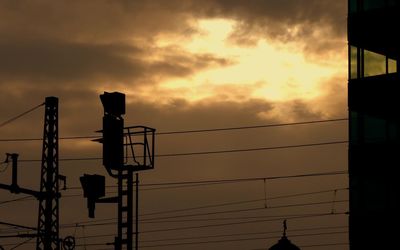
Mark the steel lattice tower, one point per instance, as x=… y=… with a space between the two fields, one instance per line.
x=48 y=220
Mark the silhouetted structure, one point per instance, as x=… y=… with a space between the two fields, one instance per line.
x=121 y=165
x=48 y=196
x=48 y=220
x=284 y=243
x=374 y=126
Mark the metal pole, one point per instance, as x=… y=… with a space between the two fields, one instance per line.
x=118 y=242
x=137 y=213
x=14 y=158
x=129 y=229
x=48 y=219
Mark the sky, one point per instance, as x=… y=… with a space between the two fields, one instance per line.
x=184 y=65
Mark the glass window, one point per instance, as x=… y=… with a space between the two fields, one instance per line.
x=353 y=62
x=392 y=3
x=373 y=4
x=393 y=131
x=392 y=66
x=353 y=132
x=374 y=63
x=352 y=6
x=374 y=129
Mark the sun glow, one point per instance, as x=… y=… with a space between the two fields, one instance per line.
x=267 y=70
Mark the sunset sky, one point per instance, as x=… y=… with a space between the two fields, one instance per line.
x=183 y=65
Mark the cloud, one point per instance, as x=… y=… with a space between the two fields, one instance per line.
x=88 y=43
x=320 y=25
x=54 y=61
x=107 y=21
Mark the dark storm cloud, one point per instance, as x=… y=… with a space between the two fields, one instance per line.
x=99 y=21
x=61 y=61
x=110 y=40
x=44 y=61
x=319 y=25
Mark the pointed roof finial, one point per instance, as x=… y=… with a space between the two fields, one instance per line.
x=284 y=228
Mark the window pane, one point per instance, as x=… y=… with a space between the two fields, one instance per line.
x=392 y=66
x=393 y=132
x=354 y=128
x=353 y=62
x=392 y=3
x=374 y=129
x=374 y=64
x=373 y=4
x=352 y=6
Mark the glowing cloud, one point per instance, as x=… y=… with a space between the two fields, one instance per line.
x=275 y=72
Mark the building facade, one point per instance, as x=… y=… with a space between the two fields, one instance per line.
x=374 y=123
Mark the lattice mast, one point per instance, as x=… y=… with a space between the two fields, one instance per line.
x=48 y=219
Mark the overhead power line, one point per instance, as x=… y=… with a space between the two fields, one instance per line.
x=211 y=152
x=214 y=181
x=221 y=235
x=211 y=206
x=240 y=239
x=16 y=225
x=20 y=115
x=300 y=217
x=312 y=246
x=22 y=243
x=224 y=212
x=185 y=184
x=251 y=127
x=247 y=210
x=28 y=197
x=240 y=202
x=189 y=131
x=251 y=149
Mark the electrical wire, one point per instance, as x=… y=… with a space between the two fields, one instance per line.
x=247 y=210
x=221 y=241
x=16 y=225
x=20 y=115
x=240 y=202
x=211 y=182
x=326 y=245
x=210 y=206
x=311 y=246
x=18 y=199
x=22 y=243
x=222 y=235
x=220 y=224
x=189 y=131
x=210 y=152
x=240 y=239
x=183 y=184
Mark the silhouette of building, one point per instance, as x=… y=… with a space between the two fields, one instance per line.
x=284 y=243
x=374 y=123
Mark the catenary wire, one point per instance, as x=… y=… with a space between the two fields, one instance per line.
x=71 y=225
x=212 y=182
x=223 y=235
x=241 y=239
x=211 y=152
x=20 y=115
x=222 y=241
x=189 y=131
x=213 y=205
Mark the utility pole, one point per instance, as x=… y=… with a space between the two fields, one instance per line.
x=48 y=219
x=120 y=161
x=48 y=196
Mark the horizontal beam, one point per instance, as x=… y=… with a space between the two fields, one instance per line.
x=16 y=190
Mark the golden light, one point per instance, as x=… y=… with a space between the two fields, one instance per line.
x=268 y=70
